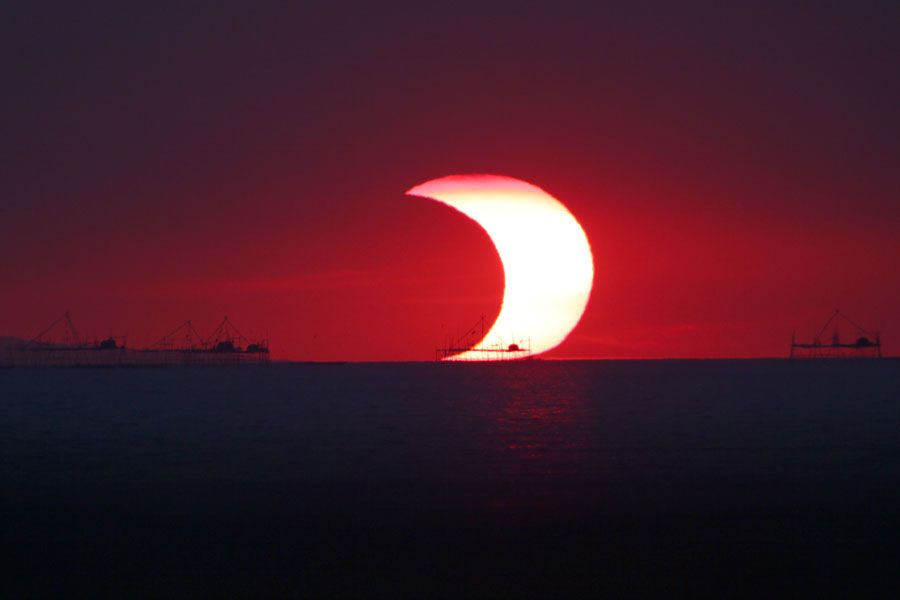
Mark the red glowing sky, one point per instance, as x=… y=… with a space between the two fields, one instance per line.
x=735 y=171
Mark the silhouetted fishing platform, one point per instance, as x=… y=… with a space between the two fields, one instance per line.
x=866 y=344
x=469 y=347
x=60 y=345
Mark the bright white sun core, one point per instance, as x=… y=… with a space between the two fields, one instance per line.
x=547 y=264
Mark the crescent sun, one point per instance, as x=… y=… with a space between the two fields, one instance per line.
x=548 y=268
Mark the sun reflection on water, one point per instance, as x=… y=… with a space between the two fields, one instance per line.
x=533 y=423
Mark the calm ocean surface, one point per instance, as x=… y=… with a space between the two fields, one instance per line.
x=540 y=478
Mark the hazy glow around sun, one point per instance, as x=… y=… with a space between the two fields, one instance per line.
x=547 y=263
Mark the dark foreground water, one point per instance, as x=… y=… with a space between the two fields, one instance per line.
x=529 y=479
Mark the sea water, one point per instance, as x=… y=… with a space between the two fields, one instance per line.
x=538 y=478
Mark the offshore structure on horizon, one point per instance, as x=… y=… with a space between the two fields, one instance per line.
x=60 y=345
x=468 y=348
x=866 y=345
